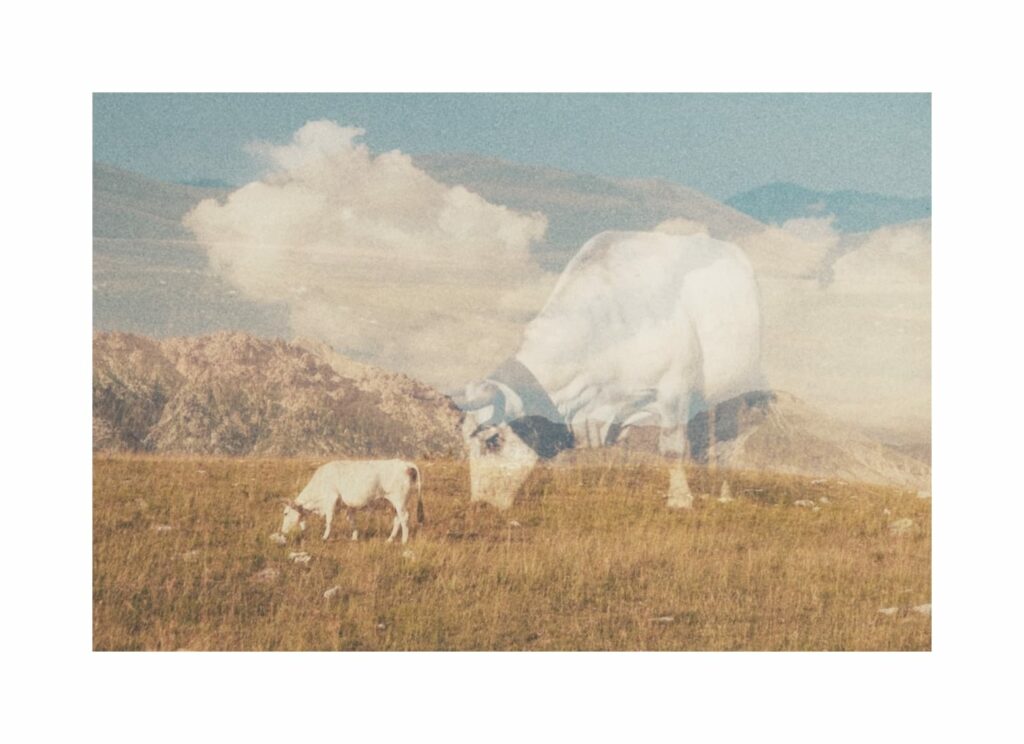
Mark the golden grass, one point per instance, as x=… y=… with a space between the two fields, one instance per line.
x=597 y=562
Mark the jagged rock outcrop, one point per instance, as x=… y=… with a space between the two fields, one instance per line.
x=235 y=394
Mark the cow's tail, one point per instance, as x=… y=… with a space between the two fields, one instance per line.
x=414 y=477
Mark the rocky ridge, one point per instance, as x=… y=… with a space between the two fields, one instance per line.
x=235 y=394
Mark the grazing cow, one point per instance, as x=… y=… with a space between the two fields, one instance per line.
x=355 y=484
x=641 y=329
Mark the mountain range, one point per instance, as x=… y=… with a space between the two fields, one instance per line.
x=852 y=211
x=237 y=395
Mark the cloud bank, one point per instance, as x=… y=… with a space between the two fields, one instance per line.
x=855 y=337
x=373 y=256
x=846 y=318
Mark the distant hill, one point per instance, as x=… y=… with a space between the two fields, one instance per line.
x=782 y=433
x=149 y=275
x=578 y=206
x=234 y=394
x=127 y=205
x=854 y=211
x=210 y=183
x=777 y=432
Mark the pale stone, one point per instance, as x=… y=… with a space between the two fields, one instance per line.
x=902 y=526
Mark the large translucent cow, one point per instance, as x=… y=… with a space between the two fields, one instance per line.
x=641 y=329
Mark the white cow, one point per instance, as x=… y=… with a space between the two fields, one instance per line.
x=641 y=328
x=355 y=484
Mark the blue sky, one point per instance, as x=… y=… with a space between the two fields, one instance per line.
x=721 y=144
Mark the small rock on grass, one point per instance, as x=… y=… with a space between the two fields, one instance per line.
x=807 y=503
x=901 y=527
x=333 y=592
x=890 y=611
x=162 y=528
x=300 y=557
x=923 y=609
x=278 y=539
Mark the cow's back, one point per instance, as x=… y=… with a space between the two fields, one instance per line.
x=631 y=305
x=357 y=481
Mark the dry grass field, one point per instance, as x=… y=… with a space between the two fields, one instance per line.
x=588 y=559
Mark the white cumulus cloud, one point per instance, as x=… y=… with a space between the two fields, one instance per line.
x=372 y=255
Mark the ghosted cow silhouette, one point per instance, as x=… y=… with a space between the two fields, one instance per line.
x=641 y=329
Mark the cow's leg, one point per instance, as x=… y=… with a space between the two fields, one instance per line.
x=673 y=442
x=329 y=517
x=394 y=527
x=405 y=526
x=351 y=523
x=679 y=494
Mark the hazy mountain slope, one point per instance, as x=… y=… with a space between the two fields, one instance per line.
x=232 y=394
x=854 y=211
x=127 y=205
x=786 y=435
x=579 y=206
x=778 y=432
x=149 y=275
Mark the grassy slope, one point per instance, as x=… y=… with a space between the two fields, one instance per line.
x=597 y=562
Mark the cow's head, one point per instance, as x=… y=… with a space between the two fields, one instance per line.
x=499 y=460
x=293 y=515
